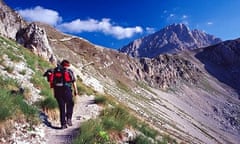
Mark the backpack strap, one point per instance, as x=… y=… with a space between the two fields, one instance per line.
x=72 y=77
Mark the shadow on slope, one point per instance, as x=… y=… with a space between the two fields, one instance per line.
x=223 y=62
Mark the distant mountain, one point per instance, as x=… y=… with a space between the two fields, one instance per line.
x=171 y=39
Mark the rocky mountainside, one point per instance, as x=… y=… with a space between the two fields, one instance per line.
x=191 y=95
x=13 y=26
x=223 y=62
x=172 y=39
x=10 y=21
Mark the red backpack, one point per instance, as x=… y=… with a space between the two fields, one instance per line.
x=59 y=76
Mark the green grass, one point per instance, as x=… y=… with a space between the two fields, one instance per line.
x=48 y=103
x=83 y=89
x=100 y=99
x=142 y=140
x=12 y=102
x=17 y=53
x=91 y=133
x=146 y=130
x=113 y=119
x=7 y=107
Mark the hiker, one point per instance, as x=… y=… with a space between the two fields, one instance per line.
x=62 y=80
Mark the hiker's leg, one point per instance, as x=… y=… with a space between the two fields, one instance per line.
x=62 y=110
x=69 y=102
x=61 y=104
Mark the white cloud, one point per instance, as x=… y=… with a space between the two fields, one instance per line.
x=53 y=18
x=105 y=26
x=209 y=23
x=41 y=14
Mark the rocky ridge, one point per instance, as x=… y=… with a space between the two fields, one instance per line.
x=167 y=71
x=171 y=39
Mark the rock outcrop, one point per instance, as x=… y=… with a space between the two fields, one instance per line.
x=13 y=26
x=10 y=21
x=35 y=38
x=168 y=70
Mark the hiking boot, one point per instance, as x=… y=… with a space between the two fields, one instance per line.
x=69 y=122
x=64 y=126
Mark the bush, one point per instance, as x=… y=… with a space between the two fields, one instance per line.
x=142 y=140
x=91 y=132
x=99 y=99
x=115 y=118
x=147 y=131
x=49 y=103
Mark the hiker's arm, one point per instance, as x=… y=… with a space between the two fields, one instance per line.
x=75 y=88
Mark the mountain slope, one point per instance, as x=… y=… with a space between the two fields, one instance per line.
x=184 y=100
x=183 y=73
x=177 y=94
x=172 y=39
x=223 y=62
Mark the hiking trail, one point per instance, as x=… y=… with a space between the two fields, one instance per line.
x=84 y=109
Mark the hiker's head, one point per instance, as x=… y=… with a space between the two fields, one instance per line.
x=65 y=63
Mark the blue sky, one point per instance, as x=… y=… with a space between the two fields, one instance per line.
x=115 y=23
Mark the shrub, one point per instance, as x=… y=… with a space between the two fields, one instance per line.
x=142 y=140
x=49 y=103
x=100 y=99
x=115 y=118
x=89 y=133
x=147 y=131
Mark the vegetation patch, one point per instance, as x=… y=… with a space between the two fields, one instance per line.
x=108 y=127
x=12 y=102
x=10 y=90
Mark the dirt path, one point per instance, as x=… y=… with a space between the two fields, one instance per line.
x=84 y=109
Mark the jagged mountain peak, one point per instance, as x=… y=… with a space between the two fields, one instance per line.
x=171 y=39
x=178 y=26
